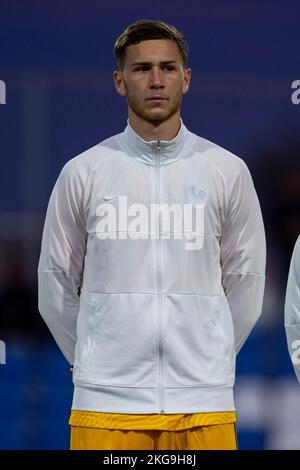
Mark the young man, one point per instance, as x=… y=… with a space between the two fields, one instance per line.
x=292 y=309
x=152 y=311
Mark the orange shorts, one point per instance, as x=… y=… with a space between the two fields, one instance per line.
x=212 y=437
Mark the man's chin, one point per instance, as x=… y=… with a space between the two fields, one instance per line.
x=157 y=116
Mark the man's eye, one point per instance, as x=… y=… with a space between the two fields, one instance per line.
x=145 y=68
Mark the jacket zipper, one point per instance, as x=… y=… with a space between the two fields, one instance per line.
x=159 y=281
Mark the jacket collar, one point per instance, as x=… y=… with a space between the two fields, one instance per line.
x=144 y=151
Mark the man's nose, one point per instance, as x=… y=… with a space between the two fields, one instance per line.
x=155 y=77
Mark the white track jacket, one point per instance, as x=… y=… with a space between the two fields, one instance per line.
x=150 y=308
x=292 y=309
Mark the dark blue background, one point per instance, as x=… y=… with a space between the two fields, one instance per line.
x=57 y=60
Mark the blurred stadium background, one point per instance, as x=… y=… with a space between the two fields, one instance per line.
x=56 y=59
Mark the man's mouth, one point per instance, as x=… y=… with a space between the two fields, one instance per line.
x=157 y=98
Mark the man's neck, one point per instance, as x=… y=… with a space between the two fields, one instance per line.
x=148 y=131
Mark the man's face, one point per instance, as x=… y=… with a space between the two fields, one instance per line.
x=153 y=68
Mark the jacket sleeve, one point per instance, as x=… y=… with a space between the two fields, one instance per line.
x=61 y=260
x=292 y=309
x=243 y=255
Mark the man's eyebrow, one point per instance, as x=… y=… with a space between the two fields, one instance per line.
x=150 y=63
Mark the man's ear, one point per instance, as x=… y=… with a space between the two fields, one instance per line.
x=187 y=79
x=119 y=82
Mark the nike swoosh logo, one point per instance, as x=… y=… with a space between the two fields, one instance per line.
x=108 y=198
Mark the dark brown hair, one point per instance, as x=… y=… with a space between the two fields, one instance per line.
x=142 y=30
